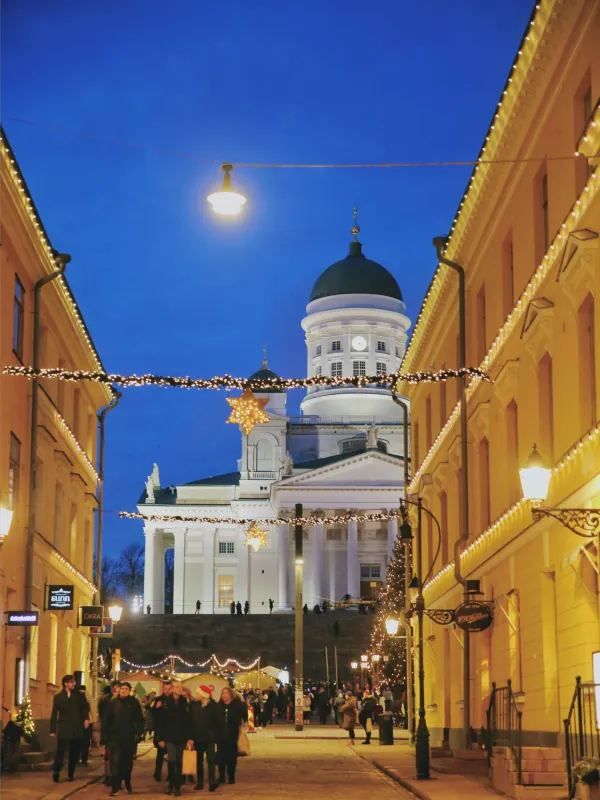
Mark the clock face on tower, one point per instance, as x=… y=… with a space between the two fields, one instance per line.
x=359 y=343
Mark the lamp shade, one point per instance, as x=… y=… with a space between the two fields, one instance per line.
x=376 y=658
x=535 y=477
x=226 y=202
x=114 y=612
x=6 y=515
x=392 y=626
x=364 y=658
x=413 y=589
x=354 y=665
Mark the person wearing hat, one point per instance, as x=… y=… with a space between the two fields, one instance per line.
x=207 y=730
x=366 y=716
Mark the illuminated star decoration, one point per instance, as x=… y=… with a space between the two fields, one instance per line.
x=247 y=411
x=256 y=537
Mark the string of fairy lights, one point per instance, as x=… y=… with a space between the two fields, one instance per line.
x=379 y=516
x=211 y=661
x=230 y=382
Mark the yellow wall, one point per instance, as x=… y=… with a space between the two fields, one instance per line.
x=66 y=453
x=536 y=349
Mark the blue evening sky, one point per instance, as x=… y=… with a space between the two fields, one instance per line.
x=120 y=112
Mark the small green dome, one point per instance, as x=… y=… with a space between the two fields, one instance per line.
x=355 y=274
x=264 y=374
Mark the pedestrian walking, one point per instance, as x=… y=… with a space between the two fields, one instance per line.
x=108 y=694
x=123 y=728
x=86 y=738
x=68 y=720
x=208 y=728
x=323 y=704
x=246 y=607
x=158 y=707
x=174 y=731
x=231 y=710
x=366 y=716
x=338 y=702
x=232 y=607
x=148 y=609
x=349 y=714
x=198 y=606
x=271 y=605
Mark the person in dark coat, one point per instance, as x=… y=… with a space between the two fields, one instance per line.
x=123 y=725
x=232 y=712
x=207 y=729
x=68 y=721
x=238 y=608
x=323 y=704
x=86 y=738
x=108 y=694
x=157 y=709
x=232 y=607
x=366 y=716
x=174 y=731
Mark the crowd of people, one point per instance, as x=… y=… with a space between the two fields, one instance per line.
x=196 y=734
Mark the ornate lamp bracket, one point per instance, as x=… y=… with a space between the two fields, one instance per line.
x=584 y=522
x=442 y=616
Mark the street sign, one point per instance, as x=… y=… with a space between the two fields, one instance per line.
x=90 y=616
x=106 y=629
x=61 y=596
x=27 y=618
x=473 y=616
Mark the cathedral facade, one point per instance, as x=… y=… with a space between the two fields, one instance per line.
x=344 y=453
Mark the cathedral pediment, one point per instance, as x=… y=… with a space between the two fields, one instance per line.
x=371 y=468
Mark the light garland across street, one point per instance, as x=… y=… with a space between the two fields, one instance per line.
x=379 y=516
x=231 y=382
x=212 y=660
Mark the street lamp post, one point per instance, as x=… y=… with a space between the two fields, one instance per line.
x=299 y=622
x=422 y=734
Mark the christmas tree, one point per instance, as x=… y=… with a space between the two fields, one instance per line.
x=25 y=718
x=391 y=604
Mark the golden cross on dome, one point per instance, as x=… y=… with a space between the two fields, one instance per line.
x=355 y=230
x=247 y=411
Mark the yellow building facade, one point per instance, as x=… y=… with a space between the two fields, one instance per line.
x=527 y=233
x=62 y=493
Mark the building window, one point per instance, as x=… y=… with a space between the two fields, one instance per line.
x=582 y=112
x=318 y=372
x=225 y=590
x=226 y=548
x=444 y=526
x=546 y=407
x=336 y=346
x=512 y=447
x=587 y=363
x=52 y=649
x=318 y=350
x=336 y=369
x=381 y=368
x=18 y=318
x=381 y=347
x=14 y=471
x=541 y=225
x=480 y=322
x=415 y=446
x=428 y=428
x=369 y=571
x=484 y=484
x=68 y=650
x=359 y=368
x=58 y=495
x=508 y=277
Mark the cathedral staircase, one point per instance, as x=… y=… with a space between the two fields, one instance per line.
x=146 y=639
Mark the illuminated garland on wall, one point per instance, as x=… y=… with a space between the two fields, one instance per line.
x=256 y=384
x=213 y=661
x=379 y=516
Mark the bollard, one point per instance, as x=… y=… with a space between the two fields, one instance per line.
x=386 y=728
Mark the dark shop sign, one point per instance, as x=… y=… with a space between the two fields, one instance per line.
x=91 y=616
x=61 y=597
x=28 y=618
x=473 y=616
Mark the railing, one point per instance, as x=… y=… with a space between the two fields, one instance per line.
x=582 y=737
x=504 y=724
x=349 y=419
x=262 y=475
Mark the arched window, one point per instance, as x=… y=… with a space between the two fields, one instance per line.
x=264 y=454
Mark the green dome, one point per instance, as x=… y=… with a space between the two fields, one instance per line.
x=264 y=374
x=355 y=274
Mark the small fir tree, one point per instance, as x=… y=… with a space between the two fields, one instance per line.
x=391 y=604
x=25 y=718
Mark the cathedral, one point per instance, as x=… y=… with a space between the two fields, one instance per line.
x=345 y=452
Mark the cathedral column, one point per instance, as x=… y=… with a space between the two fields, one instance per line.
x=241 y=585
x=352 y=565
x=179 y=571
x=207 y=589
x=317 y=536
x=154 y=571
x=392 y=524
x=283 y=563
